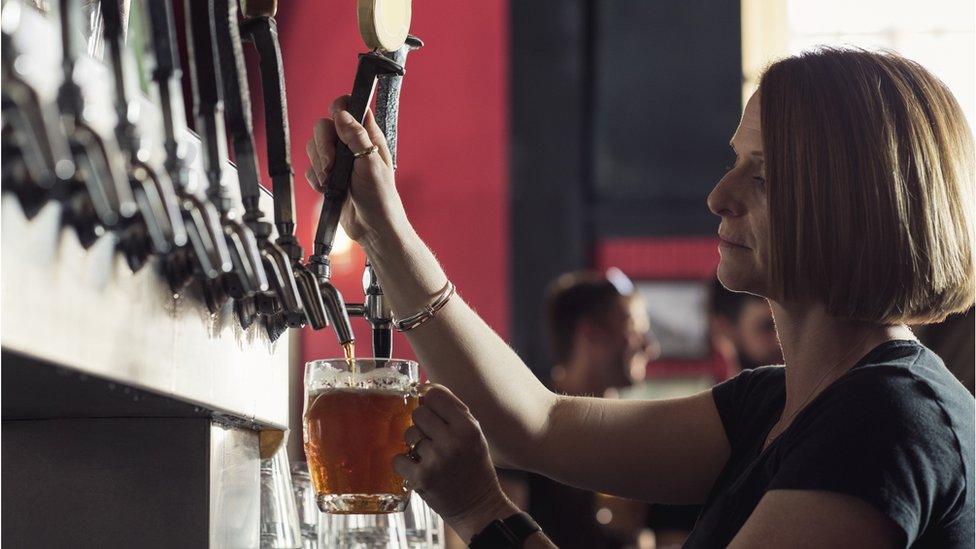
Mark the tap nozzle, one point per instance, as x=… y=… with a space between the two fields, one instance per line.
x=335 y=308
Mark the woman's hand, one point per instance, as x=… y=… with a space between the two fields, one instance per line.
x=374 y=207
x=449 y=465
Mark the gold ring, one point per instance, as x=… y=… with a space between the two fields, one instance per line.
x=412 y=452
x=367 y=152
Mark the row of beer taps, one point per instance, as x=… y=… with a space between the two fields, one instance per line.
x=106 y=185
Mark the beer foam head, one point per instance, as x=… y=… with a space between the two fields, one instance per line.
x=393 y=376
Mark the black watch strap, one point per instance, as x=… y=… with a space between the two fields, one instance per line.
x=510 y=532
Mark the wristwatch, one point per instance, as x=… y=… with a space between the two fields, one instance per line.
x=509 y=532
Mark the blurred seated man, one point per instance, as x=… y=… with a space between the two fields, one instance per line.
x=600 y=339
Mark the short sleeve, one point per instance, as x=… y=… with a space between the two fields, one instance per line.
x=745 y=402
x=880 y=436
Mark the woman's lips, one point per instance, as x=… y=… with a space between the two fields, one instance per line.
x=729 y=243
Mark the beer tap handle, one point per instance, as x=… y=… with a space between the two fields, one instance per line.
x=371 y=65
x=161 y=229
x=166 y=74
x=210 y=256
x=109 y=200
x=377 y=310
x=247 y=276
x=34 y=124
x=112 y=34
x=237 y=103
x=111 y=197
x=207 y=104
x=388 y=95
x=24 y=132
x=262 y=31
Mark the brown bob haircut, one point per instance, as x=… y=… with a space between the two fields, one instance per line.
x=871 y=193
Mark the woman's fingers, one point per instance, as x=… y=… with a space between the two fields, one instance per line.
x=378 y=138
x=408 y=469
x=447 y=406
x=313 y=180
x=421 y=444
x=324 y=135
x=313 y=156
x=321 y=150
x=352 y=133
x=431 y=425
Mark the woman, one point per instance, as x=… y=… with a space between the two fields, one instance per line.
x=850 y=208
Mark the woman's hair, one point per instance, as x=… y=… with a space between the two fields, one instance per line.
x=870 y=167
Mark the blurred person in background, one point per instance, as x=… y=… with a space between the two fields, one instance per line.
x=599 y=333
x=600 y=340
x=741 y=329
x=850 y=208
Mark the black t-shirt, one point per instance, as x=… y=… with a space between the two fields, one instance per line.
x=896 y=431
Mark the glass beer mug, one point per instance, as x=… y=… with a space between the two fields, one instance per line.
x=356 y=412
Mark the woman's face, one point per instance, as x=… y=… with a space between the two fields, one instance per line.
x=739 y=199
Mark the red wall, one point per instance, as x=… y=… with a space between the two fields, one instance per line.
x=453 y=151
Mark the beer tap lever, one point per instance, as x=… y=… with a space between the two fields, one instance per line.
x=376 y=309
x=158 y=228
x=283 y=293
x=35 y=151
x=388 y=94
x=247 y=276
x=98 y=197
x=260 y=29
x=371 y=65
x=207 y=254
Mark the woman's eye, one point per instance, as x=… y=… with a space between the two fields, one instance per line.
x=761 y=180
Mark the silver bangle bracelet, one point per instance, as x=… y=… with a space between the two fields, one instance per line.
x=428 y=312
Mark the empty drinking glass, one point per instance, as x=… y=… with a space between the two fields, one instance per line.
x=279 y=519
x=308 y=509
x=435 y=529
x=416 y=521
x=375 y=531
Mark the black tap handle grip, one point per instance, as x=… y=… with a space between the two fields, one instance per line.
x=237 y=102
x=166 y=74
x=371 y=65
x=162 y=33
x=207 y=103
x=112 y=31
x=263 y=33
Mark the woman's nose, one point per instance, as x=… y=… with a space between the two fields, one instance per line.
x=722 y=201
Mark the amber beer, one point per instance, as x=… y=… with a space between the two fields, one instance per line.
x=355 y=418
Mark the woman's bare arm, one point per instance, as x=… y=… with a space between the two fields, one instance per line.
x=658 y=451
x=668 y=450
